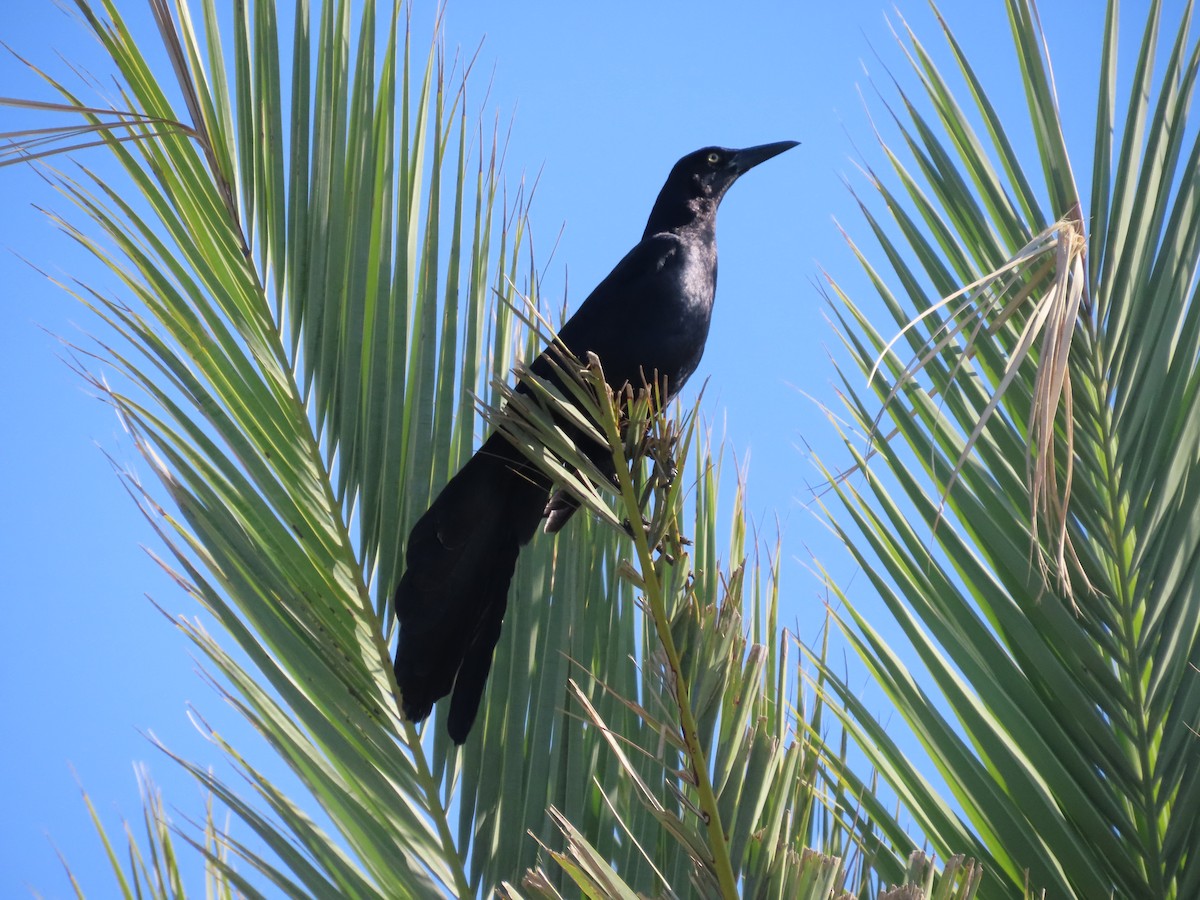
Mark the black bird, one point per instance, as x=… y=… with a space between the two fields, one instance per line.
x=648 y=318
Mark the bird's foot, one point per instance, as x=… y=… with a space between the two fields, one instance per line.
x=628 y=528
x=661 y=548
x=664 y=472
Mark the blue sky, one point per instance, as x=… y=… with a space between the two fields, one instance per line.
x=604 y=99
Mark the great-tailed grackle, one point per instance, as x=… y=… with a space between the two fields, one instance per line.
x=647 y=319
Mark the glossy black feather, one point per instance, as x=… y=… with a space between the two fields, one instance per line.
x=649 y=317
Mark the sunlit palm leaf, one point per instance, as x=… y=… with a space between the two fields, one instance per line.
x=1059 y=731
x=264 y=542
x=717 y=786
x=308 y=322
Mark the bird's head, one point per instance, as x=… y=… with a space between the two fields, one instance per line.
x=697 y=183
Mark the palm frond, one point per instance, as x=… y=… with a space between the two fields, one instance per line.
x=215 y=396
x=315 y=279
x=716 y=769
x=1046 y=720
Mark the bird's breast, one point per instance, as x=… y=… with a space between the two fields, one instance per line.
x=651 y=314
x=676 y=325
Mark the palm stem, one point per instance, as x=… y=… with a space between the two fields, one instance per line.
x=656 y=599
x=1150 y=836
x=429 y=785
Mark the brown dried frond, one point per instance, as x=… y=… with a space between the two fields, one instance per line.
x=1046 y=280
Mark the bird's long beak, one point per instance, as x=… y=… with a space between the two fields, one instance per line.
x=745 y=160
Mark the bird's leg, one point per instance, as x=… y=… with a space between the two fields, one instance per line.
x=628 y=528
x=665 y=470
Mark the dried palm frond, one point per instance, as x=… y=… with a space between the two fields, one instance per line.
x=1045 y=285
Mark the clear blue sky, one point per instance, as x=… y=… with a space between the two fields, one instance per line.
x=605 y=98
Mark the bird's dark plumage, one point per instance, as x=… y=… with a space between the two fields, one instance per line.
x=648 y=318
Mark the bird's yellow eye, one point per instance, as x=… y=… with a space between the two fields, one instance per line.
x=714 y=158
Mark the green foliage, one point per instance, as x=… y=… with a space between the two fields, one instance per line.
x=715 y=788
x=316 y=297
x=1059 y=710
x=317 y=282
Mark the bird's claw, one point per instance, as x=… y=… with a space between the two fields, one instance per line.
x=660 y=548
x=665 y=471
x=628 y=528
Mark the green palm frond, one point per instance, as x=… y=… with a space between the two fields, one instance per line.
x=716 y=794
x=1060 y=714
x=316 y=296
x=284 y=461
x=315 y=281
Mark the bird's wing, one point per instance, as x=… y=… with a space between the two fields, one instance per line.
x=611 y=320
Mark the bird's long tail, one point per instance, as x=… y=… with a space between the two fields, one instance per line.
x=452 y=597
